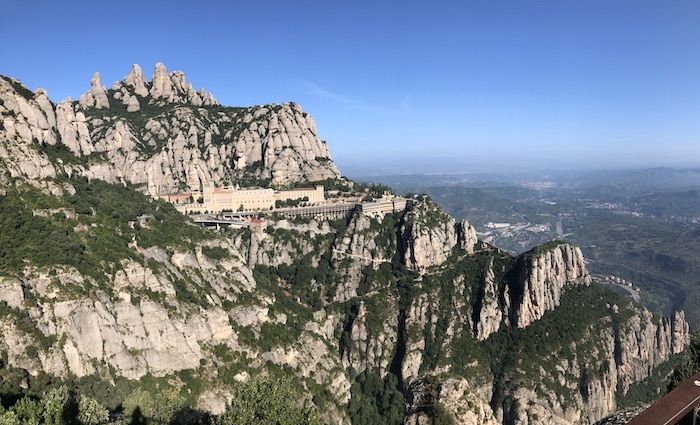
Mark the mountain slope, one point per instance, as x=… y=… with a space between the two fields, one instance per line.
x=401 y=318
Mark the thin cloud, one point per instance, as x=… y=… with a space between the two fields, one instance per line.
x=347 y=101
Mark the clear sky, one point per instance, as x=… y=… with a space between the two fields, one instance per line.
x=465 y=83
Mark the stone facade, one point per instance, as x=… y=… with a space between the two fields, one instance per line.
x=384 y=205
x=313 y=195
x=217 y=199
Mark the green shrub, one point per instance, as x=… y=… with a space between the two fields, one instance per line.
x=28 y=411
x=159 y=407
x=9 y=418
x=376 y=401
x=91 y=412
x=215 y=253
x=441 y=416
x=264 y=401
x=56 y=403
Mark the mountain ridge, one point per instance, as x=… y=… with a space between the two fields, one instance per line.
x=99 y=281
x=178 y=141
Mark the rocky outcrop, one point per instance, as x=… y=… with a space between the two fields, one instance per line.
x=136 y=81
x=645 y=342
x=544 y=273
x=456 y=399
x=588 y=386
x=373 y=336
x=164 y=88
x=284 y=243
x=96 y=97
x=11 y=292
x=418 y=317
x=180 y=147
x=132 y=104
x=281 y=143
x=490 y=311
x=132 y=334
x=466 y=235
x=73 y=129
x=28 y=122
x=356 y=249
x=428 y=236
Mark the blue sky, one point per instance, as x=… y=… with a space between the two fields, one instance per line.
x=464 y=84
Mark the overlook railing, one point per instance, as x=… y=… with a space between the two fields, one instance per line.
x=680 y=406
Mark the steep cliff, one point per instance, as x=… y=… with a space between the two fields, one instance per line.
x=28 y=120
x=166 y=137
x=544 y=273
x=403 y=316
x=580 y=377
x=429 y=235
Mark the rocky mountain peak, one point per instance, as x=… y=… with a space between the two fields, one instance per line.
x=175 y=143
x=96 y=97
x=96 y=80
x=161 y=86
x=136 y=80
x=172 y=87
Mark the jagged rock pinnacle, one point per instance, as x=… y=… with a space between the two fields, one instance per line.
x=161 y=84
x=97 y=95
x=136 y=80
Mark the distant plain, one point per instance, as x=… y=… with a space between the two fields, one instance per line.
x=642 y=226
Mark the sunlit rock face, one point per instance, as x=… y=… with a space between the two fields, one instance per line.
x=412 y=297
x=544 y=275
x=167 y=137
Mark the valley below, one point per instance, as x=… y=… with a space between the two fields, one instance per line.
x=640 y=227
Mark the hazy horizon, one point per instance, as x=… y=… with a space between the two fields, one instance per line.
x=500 y=166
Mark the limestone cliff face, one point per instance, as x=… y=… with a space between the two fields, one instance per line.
x=73 y=129
x=536 y=286
x=458 y=398
x=645 y=342
x=490 y=311
x=144 y=326
x=621 y=357
x=539 y=286
x=428 y=236
x=286 y=244
x=28 y=121
x=164 y=136
x=418 y=318
x=466 y=234
x=131 y=334
x=357 y=248
x=372 y=341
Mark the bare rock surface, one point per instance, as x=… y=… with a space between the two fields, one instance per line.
x=96 y=97
x=429 y=235
x=545 y=273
